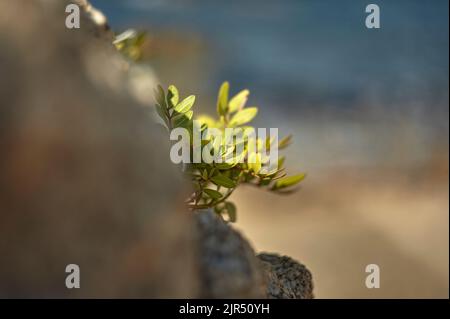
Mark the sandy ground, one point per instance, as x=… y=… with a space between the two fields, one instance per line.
x=343 y=220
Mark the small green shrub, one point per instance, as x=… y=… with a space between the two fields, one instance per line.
x=214 y=183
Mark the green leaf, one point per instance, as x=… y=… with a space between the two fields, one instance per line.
x=213 y=193
x=244 y=116
x=265 y=181
x=160 y=96
x=181 y=120
x=160 y=112
x=219 y=208
x=205 y=175
x=185 y=105
x=222 y=99
x=281 y=160
x=225 y=165
x=189 y=114
x=172 y=96
x=224 y=181
x=254 y=162
x=285 y=142
x=238 y=101
x=231 y=211
x=269 y=141
x=289 y=181
x=279 y=174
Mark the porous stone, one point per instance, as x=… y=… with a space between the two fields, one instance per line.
x=286 y=278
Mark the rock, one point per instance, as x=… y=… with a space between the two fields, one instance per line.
x=230 y=269
x=84 y=172
x=286 y=278
x=228 y=266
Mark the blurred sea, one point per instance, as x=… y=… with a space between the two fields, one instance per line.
x=312 y=67
x=310 y=51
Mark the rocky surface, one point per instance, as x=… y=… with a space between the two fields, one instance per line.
x=85 y=179
x=286 y=278
x=228 y=266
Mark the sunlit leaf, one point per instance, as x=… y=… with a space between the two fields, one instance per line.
x=185 y=105
x=238 y=101
x=172 y=96
x=222 y=99
x=289 y=181
x=254 y=162
x=244 y=116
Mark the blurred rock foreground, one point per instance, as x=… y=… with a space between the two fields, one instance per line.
x=85 y=179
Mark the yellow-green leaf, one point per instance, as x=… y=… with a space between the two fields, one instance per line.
x=244 y=116
x=289 y=181
x=222 y=99
x=285 y=142
x=281 y=160
x=185 y=105
x=172 y=96
x=238 y=101
x=181 y=120
x=254 y=162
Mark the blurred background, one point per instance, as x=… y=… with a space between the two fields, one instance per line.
x=368 y=109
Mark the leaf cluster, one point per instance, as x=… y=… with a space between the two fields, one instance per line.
x=213 y=183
